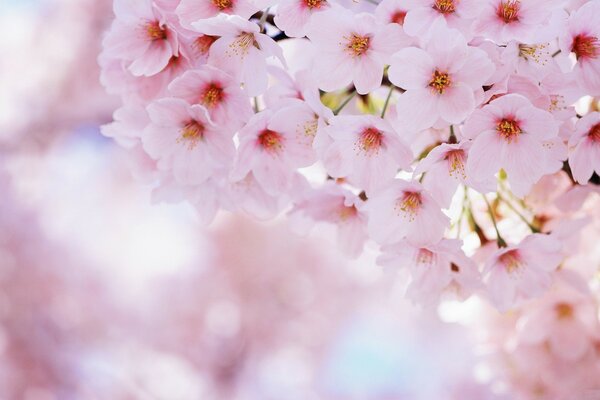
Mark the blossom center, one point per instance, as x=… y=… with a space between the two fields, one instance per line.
x=314 y=3
x=409 y=204
x=155 y=31
x=563 y=310
x=440 y=81
x=347 y=212
x=594 y=133
x=398 y=17
x=223 y=4
x=242 y=43
x=509 y=129
x=511 y=261
x=425 y=256
x=270 y=141
x=191 y=134
x=535 y=52
x=371 y=140
x=508 y=10
x=585 y=46
x=444 y=6
x=456 y=162
x=202 y=44
x=358 y=44
x=212 y=96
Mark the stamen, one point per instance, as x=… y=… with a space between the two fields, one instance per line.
x=358 y=45
x=212 y=95
x=270 y=141
x=585 y=46
x=509 y=129
x=425 y=256
x=511 y=261
x=456 y=163
x=241 y=45
x=594 y=133
x=535 y=52
x=192 y=133
x=563 y=310
x=409 y=204
x=223 y=4
x=310 y=4
x=440 y=81
x=155 y=31
x=370 y=140
x=202 y=43
x=444 y=6
x=508 y=10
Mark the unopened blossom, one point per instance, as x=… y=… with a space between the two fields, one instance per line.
x=141 y=36
x=336 y=205
x=405 y=210
x=352 y=48
x=434 y=269
x=509 y=133
x=241 y=50
x=190 y=11
x=216 y=91
x=273 y=146
x=506 y=20
x=582 y=38
x=183 y=139
x=366 y=150
x=585 y=141
x=293 y=16
x=442 y=80
x=523 y=271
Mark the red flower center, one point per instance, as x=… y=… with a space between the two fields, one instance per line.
x=444 y=6
x=191 y=133
x=585 y=46
x=398 y=17
x=508 y=10
x=202 y=43
x=508 y=128
x=370 y=141
x=212 y=95
x=511 y=261
x=456 y=162
x=440 y=81
x=425 y=256
x=310 y=4
x=155 y=31
x=409 y=204
x=358 y=44
x=594 y=133
x=270 y=141
x=223 y=4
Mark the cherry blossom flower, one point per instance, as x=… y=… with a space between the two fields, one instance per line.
x=582 y=37
x=273 y=145
x=522 y=272
x=141 y=36
x=509 y=133
x=441 y=81
x=405 y=210
x=457 y=14
x=183 y=138
x=353 y=48
x=365 y=150
x=585 y=158
x=434 y=269
x=394 y=11
x=506 y=20
x=292 y=16
x=336 y=205
x=216 y=91
x=190 y=11
x=241 y=50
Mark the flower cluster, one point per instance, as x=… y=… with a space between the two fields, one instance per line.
x=444 y=131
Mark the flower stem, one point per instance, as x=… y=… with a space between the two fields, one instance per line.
x=344 y=103
x=501 y=242
x=387 y=101
x=529 y=224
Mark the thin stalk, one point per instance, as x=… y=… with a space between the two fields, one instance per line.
x=387 y=101
x=501 y=242
x=344 y=103
x=529 y=224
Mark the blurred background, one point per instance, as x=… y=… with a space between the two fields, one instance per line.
x=106 y=296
